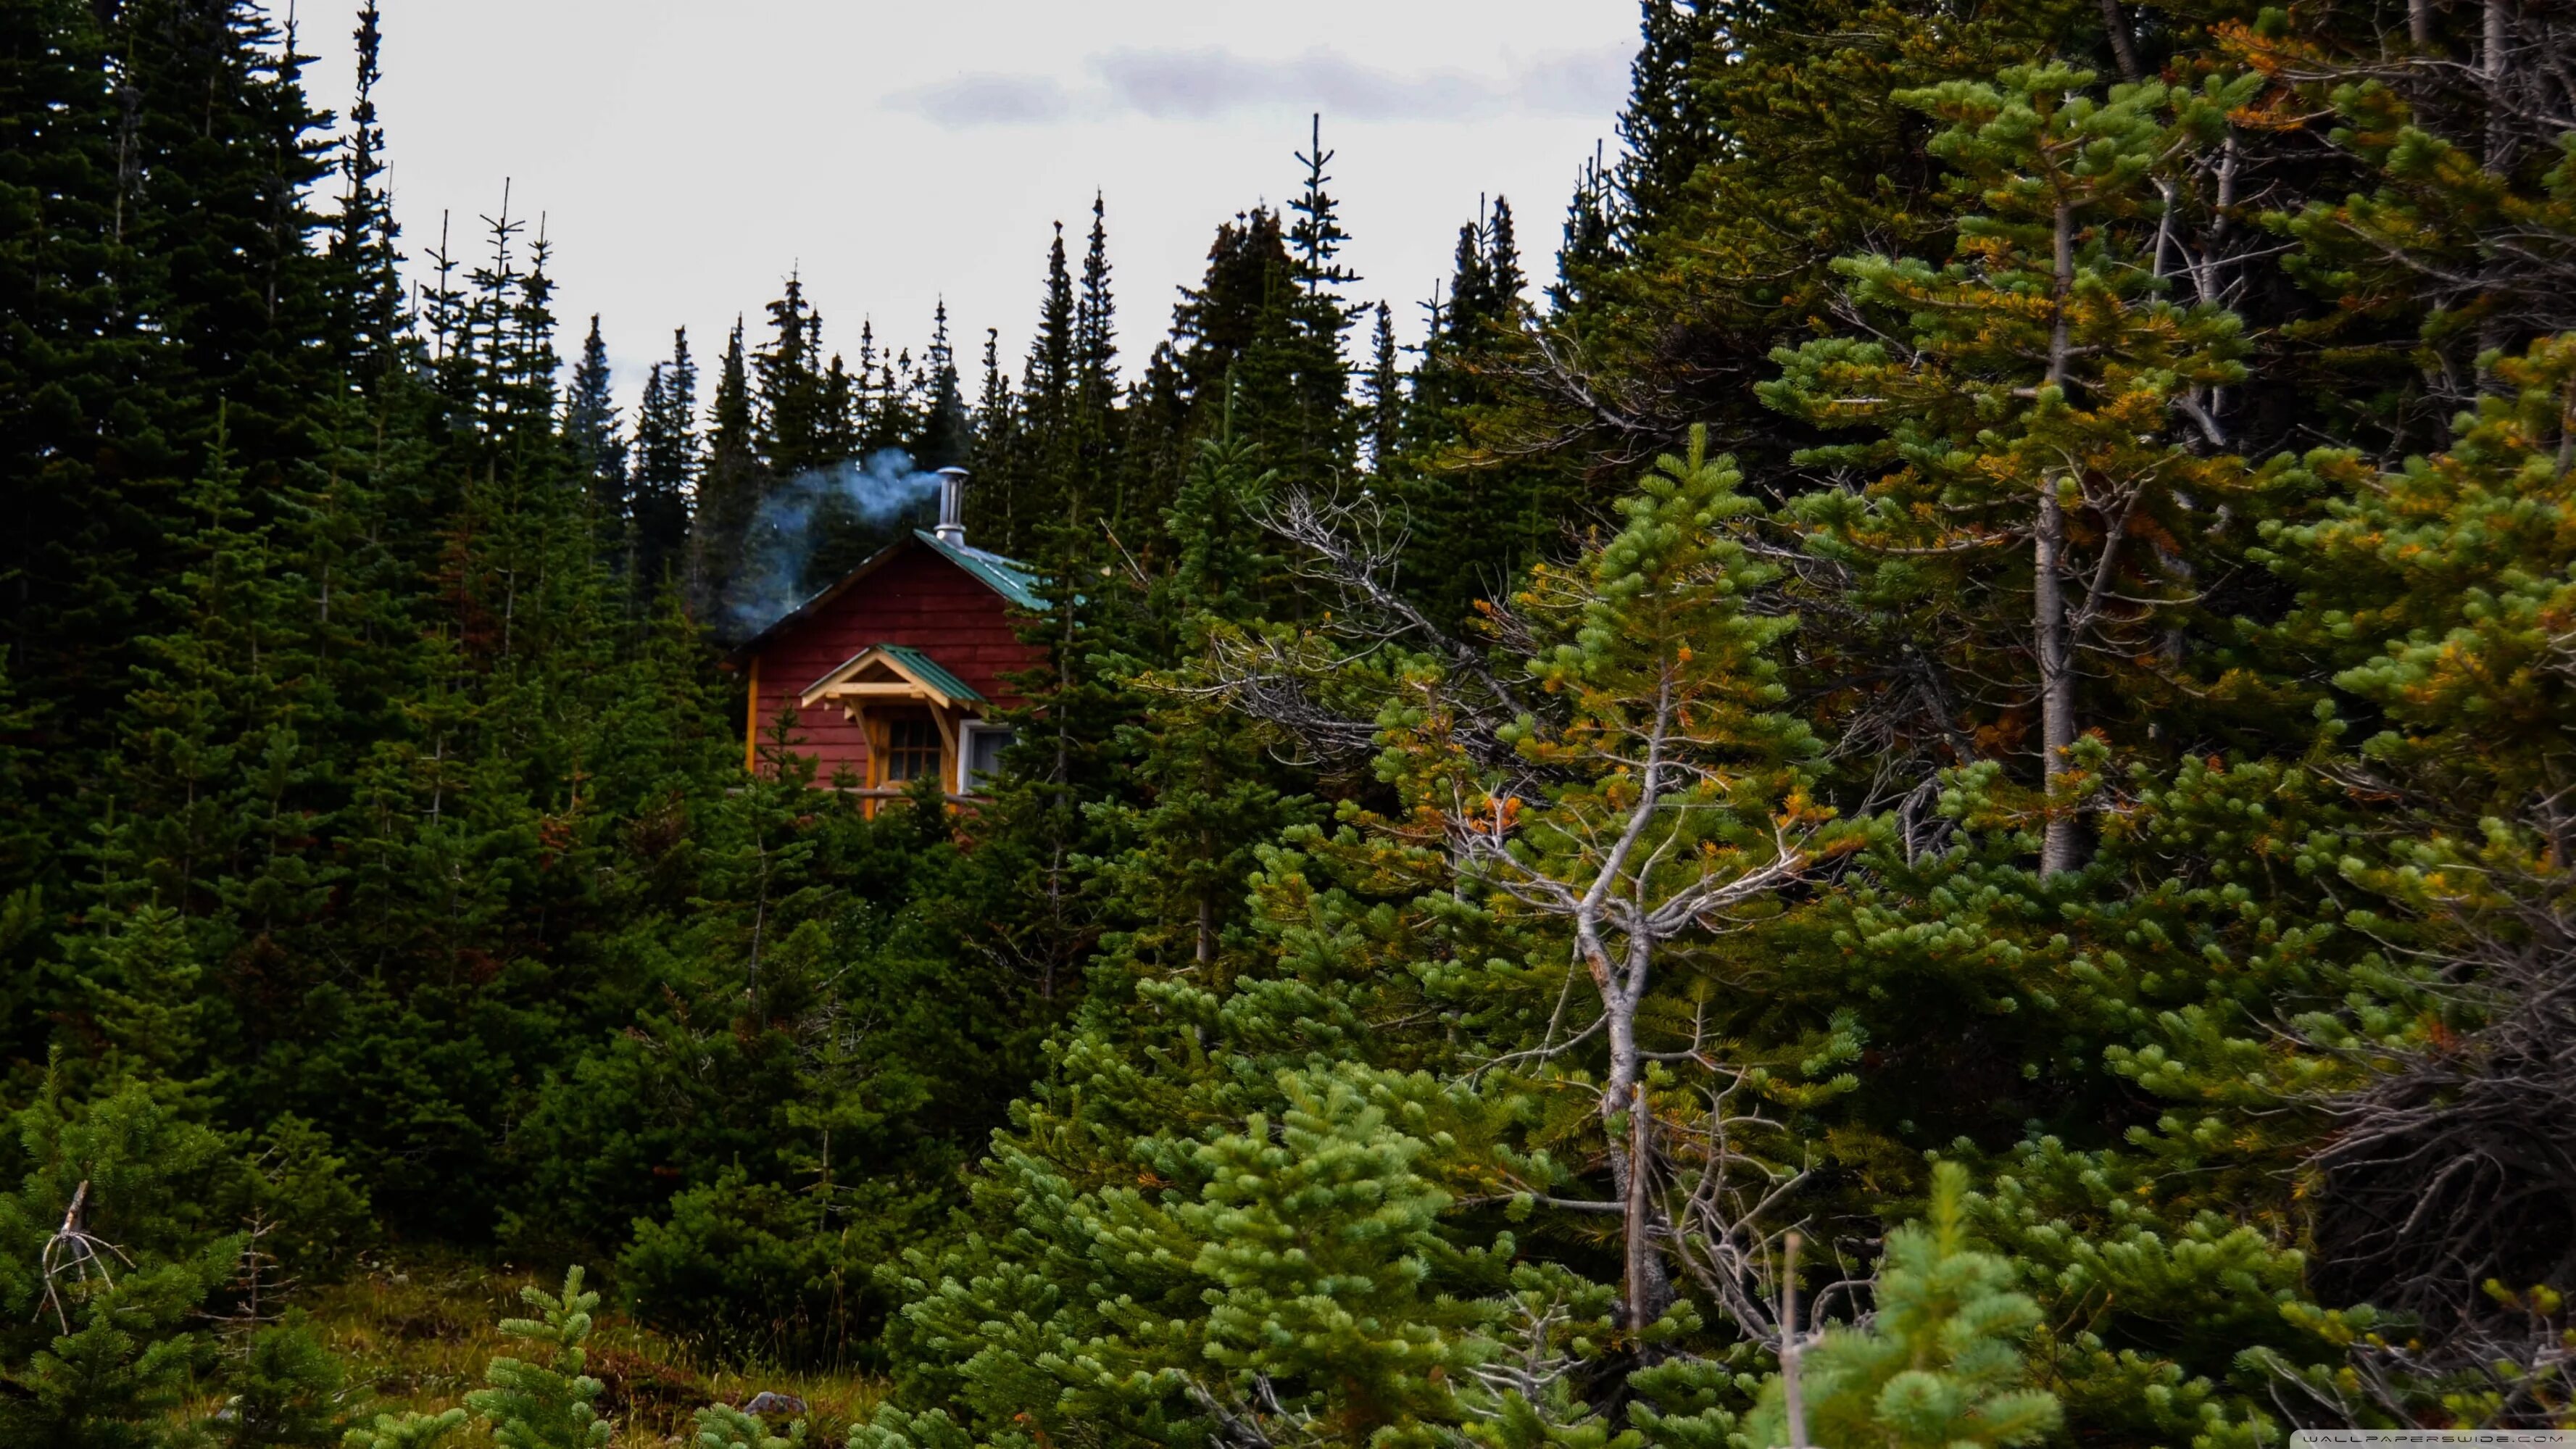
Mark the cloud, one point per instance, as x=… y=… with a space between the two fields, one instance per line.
x=988 y=99
x=1205 y=83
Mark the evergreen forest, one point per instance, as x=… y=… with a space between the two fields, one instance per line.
x=1911 y=784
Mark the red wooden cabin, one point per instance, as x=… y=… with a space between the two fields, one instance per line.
x=896 y=671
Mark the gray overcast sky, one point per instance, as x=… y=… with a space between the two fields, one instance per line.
x=687 y=154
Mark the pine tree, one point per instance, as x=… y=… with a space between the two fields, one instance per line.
x=1938 y=1364
x=2055 y=425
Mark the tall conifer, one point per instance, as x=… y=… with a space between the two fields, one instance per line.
x=596 y=439
x=731 y=483
x=666 y=465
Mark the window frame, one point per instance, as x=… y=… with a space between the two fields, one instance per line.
x=967 y=733
x=935 y=748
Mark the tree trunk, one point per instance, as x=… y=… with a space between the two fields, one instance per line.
x=2048 y=591
x=2419 y=24
x=2495 y=329
x=2124 y=47
x=2491 y=67
x=1648 y=1289
x=1793 y=1350
x=1640 y=1251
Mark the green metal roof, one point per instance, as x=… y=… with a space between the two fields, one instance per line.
x=1006 y=577
x=930 y=672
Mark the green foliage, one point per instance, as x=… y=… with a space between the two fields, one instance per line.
x=287 y=1391
x=98 y=1388
x=545 y=1402
x=1940 y=1362
x=720 y=1426
x=408 y=1431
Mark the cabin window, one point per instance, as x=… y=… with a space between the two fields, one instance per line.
x=912 y=750
x=983 y=745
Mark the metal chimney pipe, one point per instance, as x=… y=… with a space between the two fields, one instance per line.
x=952 y=507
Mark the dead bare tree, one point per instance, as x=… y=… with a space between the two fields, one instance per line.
x=74 y=1253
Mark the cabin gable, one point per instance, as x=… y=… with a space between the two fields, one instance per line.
x=906 y=656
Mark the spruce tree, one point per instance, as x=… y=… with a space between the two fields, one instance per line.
x=1665 y=129
x=666 y=467
x=1095 y=383
x=730 y=484
x=993 y=512
x=594 y=437
x=1050 y=482
x=372 y=299
x=1479 y=518
x=1211 y=797
x=787 y=394
x=1382 y=389
x=1585 y=251
x=1322 y=425
x=944 y=425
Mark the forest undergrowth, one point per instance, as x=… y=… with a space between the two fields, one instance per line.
x=418 y=1333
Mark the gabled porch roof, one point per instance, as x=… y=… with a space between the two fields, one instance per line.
x=890 y=672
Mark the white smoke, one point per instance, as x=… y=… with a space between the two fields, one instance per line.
x=779 y=546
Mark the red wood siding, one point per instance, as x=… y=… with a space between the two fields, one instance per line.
x=915 y=598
